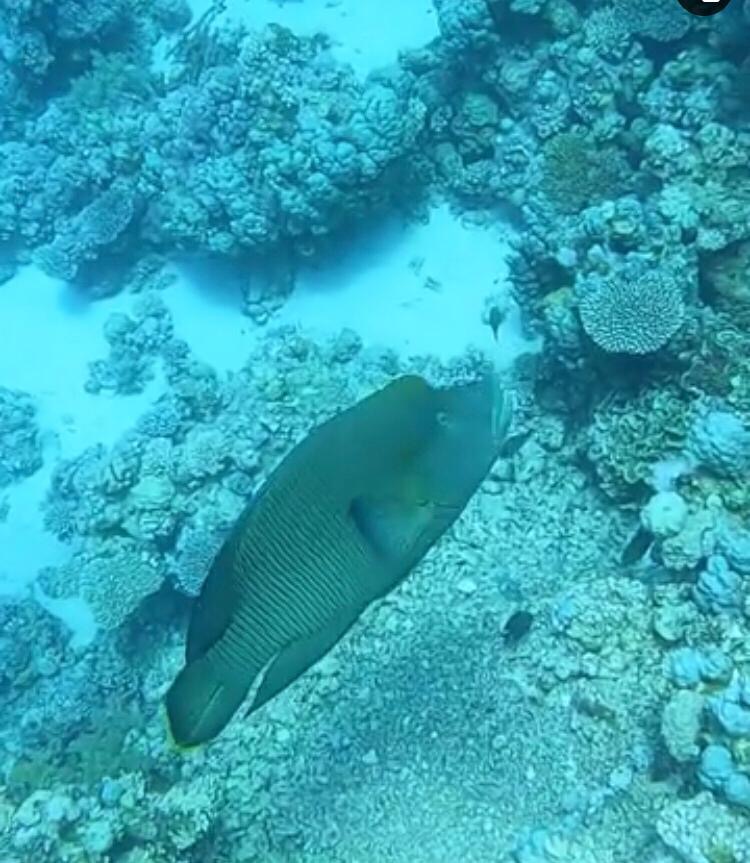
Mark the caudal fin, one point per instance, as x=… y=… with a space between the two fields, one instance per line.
x=202 y=699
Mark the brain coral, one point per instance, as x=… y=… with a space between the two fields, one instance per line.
x=631 y=315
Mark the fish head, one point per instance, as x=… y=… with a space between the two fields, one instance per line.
x=471 y=422
x=479 y=411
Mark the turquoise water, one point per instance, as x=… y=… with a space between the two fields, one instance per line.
x=223 y=224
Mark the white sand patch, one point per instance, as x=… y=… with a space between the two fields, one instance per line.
x=417 y=289
x=27 y=547
x=206 y=307
x=366 y=34
x=414 y=288
x=51 y=333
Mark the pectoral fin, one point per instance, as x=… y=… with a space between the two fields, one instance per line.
x=390 y=525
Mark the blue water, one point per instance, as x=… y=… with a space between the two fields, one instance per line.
x=224 y=222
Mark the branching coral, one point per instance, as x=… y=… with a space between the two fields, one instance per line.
x=112 y=577
x=134 y=343
x=95 y=229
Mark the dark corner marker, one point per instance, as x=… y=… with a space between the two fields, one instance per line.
x=703 y=7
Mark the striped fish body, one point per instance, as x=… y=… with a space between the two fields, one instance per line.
x=297 y=562
x=339 y=523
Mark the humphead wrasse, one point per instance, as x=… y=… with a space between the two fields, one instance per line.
x=338 y=524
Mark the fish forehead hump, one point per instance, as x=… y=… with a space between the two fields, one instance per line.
x=404 y=409
x=472 y=421
x=374 y=435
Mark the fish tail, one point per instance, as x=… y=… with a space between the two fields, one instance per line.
x=203 y=698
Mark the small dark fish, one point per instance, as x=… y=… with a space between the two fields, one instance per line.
x=636 y=547
x=339 y=523
x=663 y=765
x=494 y=319
x=654 y=574
x=513 y=443
x=516 y=627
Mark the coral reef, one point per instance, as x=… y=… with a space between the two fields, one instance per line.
x=276 y=147
x=264 y=145
x=629 y=436
x=33 y=40
x=720 y=442
x=91 y=232
x=112 y=577
x=134 y=343
x=614 y=138
x=20 y=441
x=575 y=173
x=702 y=829
x=256 y=414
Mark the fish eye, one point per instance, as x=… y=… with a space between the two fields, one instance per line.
x=442 y=419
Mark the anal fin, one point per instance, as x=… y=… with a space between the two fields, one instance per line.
x=294 y=659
